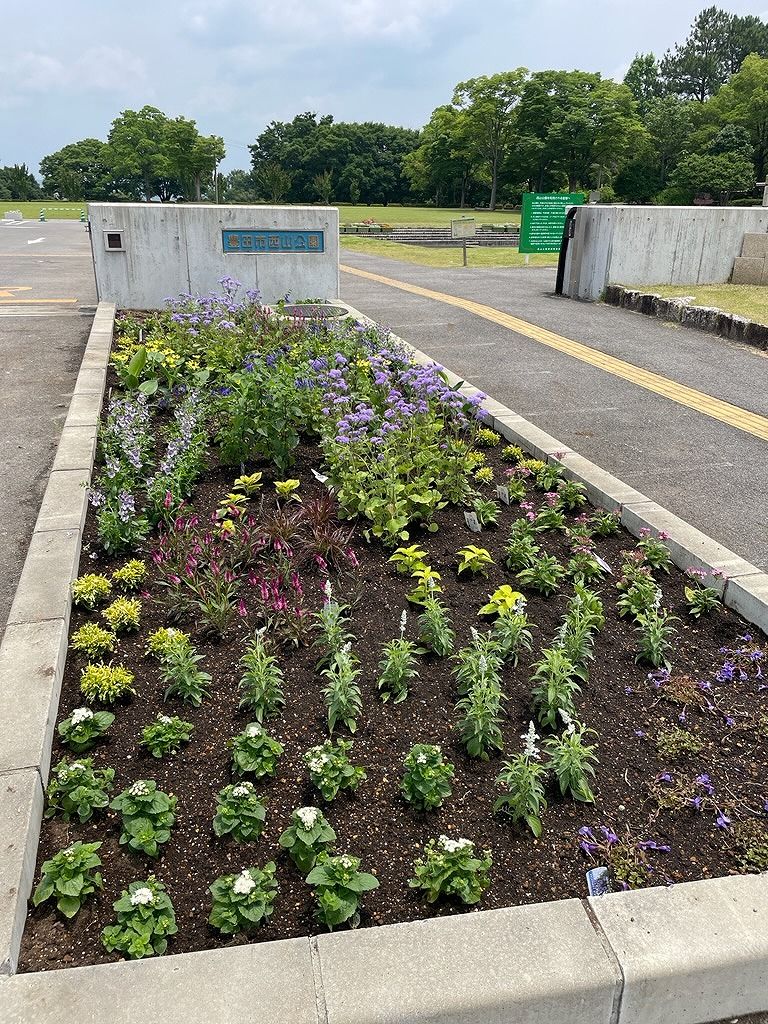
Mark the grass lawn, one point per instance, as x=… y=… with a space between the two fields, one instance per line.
x=750 y=300
x=54 y=209
x=426 y=216
x=503 y=256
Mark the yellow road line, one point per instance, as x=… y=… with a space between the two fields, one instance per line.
x=707 y=405
x=36 y=302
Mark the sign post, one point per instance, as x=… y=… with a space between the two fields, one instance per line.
x=463 y=229
x=543 y=220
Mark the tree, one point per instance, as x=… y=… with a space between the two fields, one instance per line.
x=275 y=181
x=237 y=187
x=18 y=183
x=718 y=174
x=744 y=101
x=490 y=104
x=643 y=79
x=444 y=165
x=323 y=186
x=78 y=171
x=669 y=122
x=138 y=148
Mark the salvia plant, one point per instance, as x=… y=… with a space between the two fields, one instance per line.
x=332 y=627
x=182 y=677
x=92 y=640
x=654 y=636
x=70 y=877
x=76 y=789
x=338 y=884
x=522 y=780
x=589 y=606
x=84 y=728
x=330 y=769
x=449 y=868
x=435 y=629
x=106 y=683
x=147 y=816
x=427 y=778
x=240 y=903
x=512 y=635
x=255 y=752
x=474 y=559
x=261 y=683
x=572 y=760
x=397 y=666
x=145 y=921
x=479 y=662
x=503 y=601
x=575 y=637
x=123 y=615
x=240 y=812
x=90 y=590
x=131 y=575
x=555 y=676
x=166 y=735
x=342 y=692
x=307 y=836
x=479 y=718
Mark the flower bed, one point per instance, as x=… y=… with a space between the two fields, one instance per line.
x=271 y=499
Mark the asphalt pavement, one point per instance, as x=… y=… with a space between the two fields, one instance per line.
x=47 y=296
x=707 y=472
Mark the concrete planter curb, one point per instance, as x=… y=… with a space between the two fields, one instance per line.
x=701 y=318
x=686 y=954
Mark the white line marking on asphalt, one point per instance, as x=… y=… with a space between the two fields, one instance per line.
x=34 y=241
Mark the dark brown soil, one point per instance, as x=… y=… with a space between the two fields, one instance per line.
x=375 y=824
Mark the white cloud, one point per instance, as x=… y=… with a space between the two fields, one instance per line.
x=100 y=68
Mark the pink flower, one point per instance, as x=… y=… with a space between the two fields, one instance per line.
x=663 y=535
x=321 y=563
x=352 y=558
x=242 y=611
x=253 y=579
x=168 y=501
x=173 y=578
x=215 y=570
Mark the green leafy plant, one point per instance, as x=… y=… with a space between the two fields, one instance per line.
x=262 y=681
x=240 y=813
x=701 y=600
x=520 y=552
x=474 y=559
x=145 y=921
x=512 y=453
x=84 y=728
x=131 y=575
x=397 y=666
x=674 y=743
x=571 y=495
x=331 y=625
x=123 y=615
x=330 y=769
x=486 y=510
x=544 y=575
x=487 y=438
x=307 y=836
x=484 y=475
x=166 y=735
x=642 y=596
x=546 y=475
x=604 y=523
x=512 y=635
x=106 y=683
x=255 y=752
x=407 y=560
x=428 y=584
x=478 y=663
x=70 y=877
x=655 y=552
x=342 y=693
x=522 y=781
x=248 y=483
x=435 y=629
x=243 y=902
x=92 y=640
x=165 y=640
x=449 y=868
x=147 y=816
x=557 y=687
x=549 y=517
x=338 y=884
x=479 y=718
x=572 y=761
x=750 y=840
x=77 y=790
x=427 y=778
x=90 y=590
x=503 y=601
x=288 y=489
x=182 y=676
x=654 y=639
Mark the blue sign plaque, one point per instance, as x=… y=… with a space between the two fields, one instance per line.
x=258 y=241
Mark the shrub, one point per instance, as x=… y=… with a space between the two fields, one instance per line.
x=92 y=640
x=90 y=590
x=77 y=790
x=83 y=728
x=106 y=683
x=338 y=883
x=487 y=438
x=240 y=813
x=427 y=779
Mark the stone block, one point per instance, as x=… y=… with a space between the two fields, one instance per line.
x=538 y=964
x=755 y=245
x=84 y=410
x=748 y=270
x=77 y=446
x=603 y=489
x=520 y=431
x=21 y=811
x=692 y=952
x=748 y=596
x=90 y=381
x=44 y=588
x=65 y=501
x=264 y=982
x=32 y=657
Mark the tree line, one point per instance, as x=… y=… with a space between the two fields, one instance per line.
x=693 y=121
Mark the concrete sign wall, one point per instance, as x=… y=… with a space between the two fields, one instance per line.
x=634 y=245
x=146 y=252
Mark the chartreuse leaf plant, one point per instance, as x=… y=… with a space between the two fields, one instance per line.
x=473 y=559
x=90 y=590
x=90 y=639
x=145 y=921
x=106 y=683
x=131 y=575
x=503 y=601
x=70 y=877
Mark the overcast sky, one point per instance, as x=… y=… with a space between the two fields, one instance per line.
x=67 y=69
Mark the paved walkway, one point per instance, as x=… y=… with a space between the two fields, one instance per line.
x=680 y=415
x=46 y=276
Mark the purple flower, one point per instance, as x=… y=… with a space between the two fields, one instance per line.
x=722 y=820
x=640 y=734
x=610 y=835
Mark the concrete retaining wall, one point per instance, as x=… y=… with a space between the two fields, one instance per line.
x=173 y=249
x=688 y=954
x=635 y=245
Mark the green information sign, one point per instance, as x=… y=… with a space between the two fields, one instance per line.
x=541 y=228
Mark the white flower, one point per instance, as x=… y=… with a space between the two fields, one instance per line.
x=403 y=620
x=570 y=725
x=138 y=789
x=530 y=737
x=327 y=590
x=482 y=664
x=346 y=861
x=452 y=845
x=253 y=730
x=165 y=719
x=421 y=759
x=244 y=789
x=141 y=897
x=243 y=884
x=307 y=816
x=81 y=715
x=76 y=766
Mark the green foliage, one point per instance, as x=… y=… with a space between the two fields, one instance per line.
x=70 y=877
x=123 y=615
x=503 y=601
x=543 y=574
x=76 y=789
x=750 y=840
x=511 y=636
x=342 y=693
x=487 y=511
x=512 y=453
x=131 y=575
x=701 y=600
x=484 y=475
x=243 y=902
x=262 y=681
x=655 y=553
x=435 y=629
x=145 y=921
x=479 y=717
x=654 y=636
x=605 y=524
x=427 y=778
x=147 y=817
x=407 y=560
x=331 y=624
x=474 y=559
x=164 y=640
x=90 y=590
x=572 y=761
x=166 y=735
x=549 y=517
x=522 y=781
x=487 y=438
x=396 y=669
x=92 y=640
x=521 y=552
x=106 y=683
x=338 y=884
x=330 y=769
x=449 y=868
x=557 y=687
x=240 y=813
x=308 y=835
x=572 y=495
x=674 y=743
x=248 y=483
x=84 y=728
x=181 y=674
x=255 y=752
